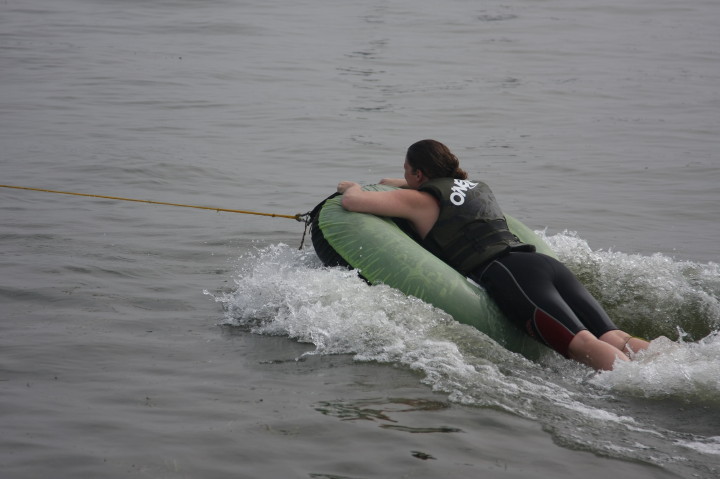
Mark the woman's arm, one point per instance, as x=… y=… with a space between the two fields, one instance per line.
x=356 y=199
x=382 y=203
x=419 y=207
x=397 y=182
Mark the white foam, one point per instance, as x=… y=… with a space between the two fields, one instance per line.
x=281 y=291
x=688 y=371
x=709 y=446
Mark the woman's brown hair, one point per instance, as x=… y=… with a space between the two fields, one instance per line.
x=435 y=160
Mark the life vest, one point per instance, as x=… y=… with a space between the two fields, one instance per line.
x=471 y=229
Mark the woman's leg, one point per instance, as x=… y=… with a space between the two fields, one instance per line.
x=543 y=297
x=521 y=285
x=624 y=342
x=592 y=314
x=589 y=350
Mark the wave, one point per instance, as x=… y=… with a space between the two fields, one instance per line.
x=281 y=291
x=649 y=296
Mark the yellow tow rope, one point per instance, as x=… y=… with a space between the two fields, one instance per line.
x=297 y=217
x=303 y=218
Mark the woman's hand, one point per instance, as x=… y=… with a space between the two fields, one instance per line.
x=343 y=186
x=397 y=182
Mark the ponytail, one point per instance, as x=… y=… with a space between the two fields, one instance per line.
x=459 y=174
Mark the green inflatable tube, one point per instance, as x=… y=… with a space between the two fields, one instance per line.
x=383 y=253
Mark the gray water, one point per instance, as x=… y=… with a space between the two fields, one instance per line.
x=142 y=340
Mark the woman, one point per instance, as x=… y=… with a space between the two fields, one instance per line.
x=460 y=222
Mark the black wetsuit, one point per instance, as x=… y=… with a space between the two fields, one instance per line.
x=535 y=291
